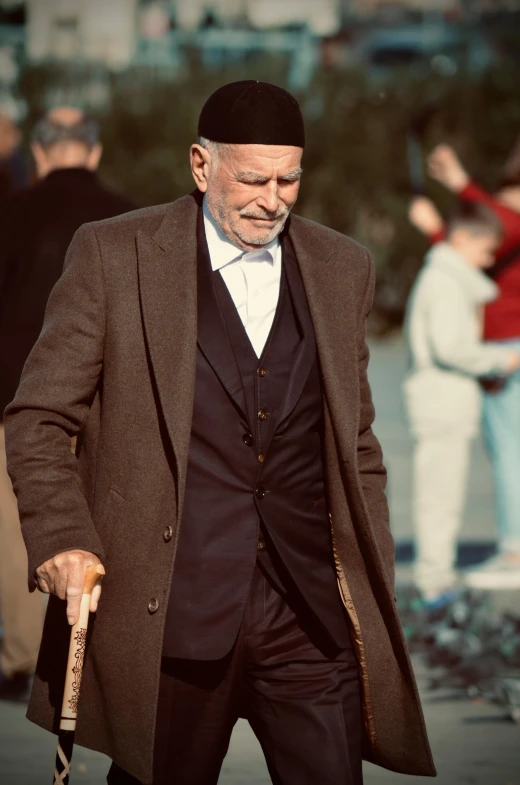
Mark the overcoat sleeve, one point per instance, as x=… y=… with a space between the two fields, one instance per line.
x=372 y=472
x=51 y=405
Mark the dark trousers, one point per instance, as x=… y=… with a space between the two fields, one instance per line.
x=301 y=698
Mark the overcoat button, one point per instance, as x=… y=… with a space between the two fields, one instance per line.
x=263 y=415
x=167 y=534
x=247 y=438
x=260 y=493
x=153 y=605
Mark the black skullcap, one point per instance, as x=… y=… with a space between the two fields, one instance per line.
x=250 y=112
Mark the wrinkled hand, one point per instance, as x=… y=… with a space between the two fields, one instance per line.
x=64 y=576
x=423 y=214
x=444 y=166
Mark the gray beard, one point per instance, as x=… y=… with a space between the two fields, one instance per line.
x=245 y=239
x=265 y=239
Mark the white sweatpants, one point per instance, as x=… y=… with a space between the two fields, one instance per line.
x=441 y=464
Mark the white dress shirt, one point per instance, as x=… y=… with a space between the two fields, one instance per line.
x=252 y=279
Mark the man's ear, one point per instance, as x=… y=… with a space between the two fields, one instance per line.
x=200 y=161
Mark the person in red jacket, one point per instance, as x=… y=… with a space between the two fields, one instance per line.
x=502 y=327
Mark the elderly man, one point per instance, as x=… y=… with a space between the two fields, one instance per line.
x=36 y=227
x=210 y=354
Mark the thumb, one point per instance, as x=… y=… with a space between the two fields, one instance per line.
x=74 y=594
x=94 y=597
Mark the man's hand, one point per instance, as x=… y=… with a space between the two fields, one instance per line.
x=64 y=576
x=423 y=214
x=444 y=166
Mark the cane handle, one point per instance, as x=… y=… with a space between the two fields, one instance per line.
x=93 y=574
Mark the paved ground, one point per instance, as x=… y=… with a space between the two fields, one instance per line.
x=473 y=743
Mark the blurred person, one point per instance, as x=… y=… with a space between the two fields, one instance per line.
x=36 y=227
x=13 y=169
x=447 y=356
x=501 y=328
x=212 y=354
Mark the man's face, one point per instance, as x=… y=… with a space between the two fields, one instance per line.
x=251 y=191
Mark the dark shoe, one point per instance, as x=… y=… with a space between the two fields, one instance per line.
x=16 y=688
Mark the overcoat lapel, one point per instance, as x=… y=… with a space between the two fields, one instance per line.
x=305 y=355
x=324 y=280
x=167 y=264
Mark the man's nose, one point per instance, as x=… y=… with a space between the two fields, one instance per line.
x=269 y=198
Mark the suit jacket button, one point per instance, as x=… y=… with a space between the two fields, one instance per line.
x=260 y=493
x=247 y=438
x=153 y=605
x=167 y=534
x=263 y=415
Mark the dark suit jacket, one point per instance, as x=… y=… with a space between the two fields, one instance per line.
x=36 y=227
x=116 y=362
x=230 y=498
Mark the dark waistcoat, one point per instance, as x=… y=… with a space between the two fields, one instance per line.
x=255 y=472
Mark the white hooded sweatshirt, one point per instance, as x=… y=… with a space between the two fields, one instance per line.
x=447 y=354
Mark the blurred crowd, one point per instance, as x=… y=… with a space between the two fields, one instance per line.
x=37 y=223
x=462 y=327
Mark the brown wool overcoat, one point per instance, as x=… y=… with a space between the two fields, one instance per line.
x=115 y=363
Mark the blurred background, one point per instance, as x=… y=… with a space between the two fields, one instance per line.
x=365 y=71
x=381 y=83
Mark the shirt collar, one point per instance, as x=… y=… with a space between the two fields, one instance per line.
x=222 y=251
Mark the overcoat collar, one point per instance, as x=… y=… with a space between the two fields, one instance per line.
x=167 y=262
x=167 y=270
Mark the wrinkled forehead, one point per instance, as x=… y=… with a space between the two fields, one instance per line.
x=262 y=158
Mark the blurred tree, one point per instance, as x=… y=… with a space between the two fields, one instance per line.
x=356 y=176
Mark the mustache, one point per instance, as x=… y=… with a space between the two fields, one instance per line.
x=264 y=216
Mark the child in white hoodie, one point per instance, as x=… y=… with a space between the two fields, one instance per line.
x=447 y=356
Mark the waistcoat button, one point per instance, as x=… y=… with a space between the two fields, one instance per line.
x=247 y=438
x=153 y=605
x=261 y=372
x=261 y=545
x=261 y=458
x=260 y=493
x=167 y=534
x=263 y=415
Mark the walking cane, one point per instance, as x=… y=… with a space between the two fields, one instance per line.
x=69 y=709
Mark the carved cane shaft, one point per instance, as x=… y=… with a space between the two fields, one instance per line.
x=69 y=710
x=78 y=639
